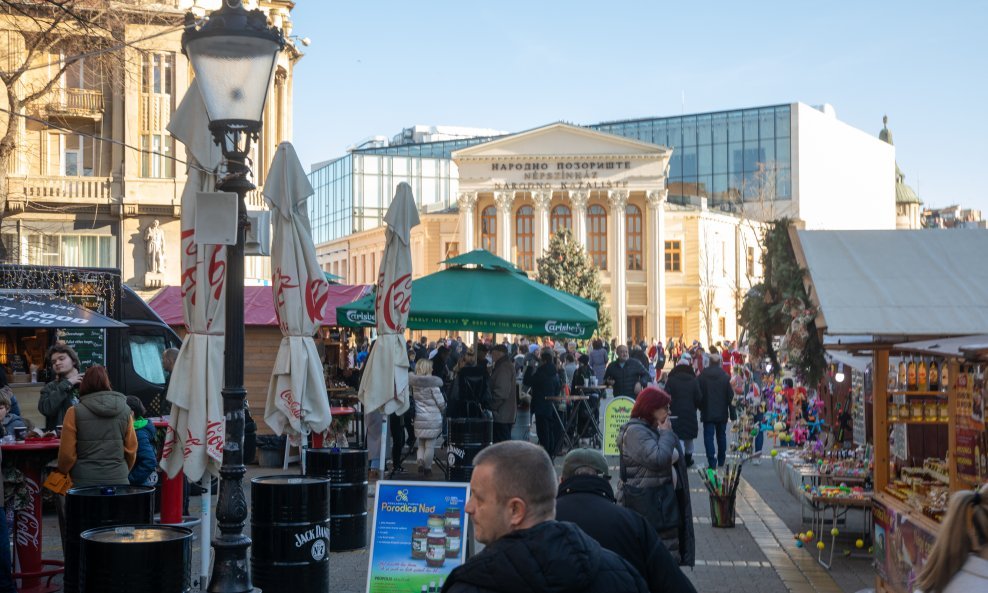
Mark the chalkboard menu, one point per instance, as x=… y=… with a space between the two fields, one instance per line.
x=89 y=344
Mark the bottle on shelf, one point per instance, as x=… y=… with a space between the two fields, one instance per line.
x=934 y=375
x=902 y=373
x=944 y=377
x=911 y=375
x=922 y=376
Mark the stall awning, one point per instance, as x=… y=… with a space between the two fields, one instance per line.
x=258 y=304
x=966 y=346
x=21 y=310
x=902 y=284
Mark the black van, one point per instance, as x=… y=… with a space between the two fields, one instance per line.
x=144 y=339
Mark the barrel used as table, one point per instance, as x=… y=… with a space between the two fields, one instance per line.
x=347 y=473
x=289 y=530
x=136 y=559
x=467 y=437
x=101 y=506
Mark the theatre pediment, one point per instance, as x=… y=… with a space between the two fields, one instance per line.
x=560 y=140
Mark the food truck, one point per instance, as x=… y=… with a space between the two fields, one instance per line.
x=103 y=320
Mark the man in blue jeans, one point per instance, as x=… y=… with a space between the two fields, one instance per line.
x=716 y=396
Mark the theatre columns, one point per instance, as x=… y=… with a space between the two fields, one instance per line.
x=467 y=203
x=504 y=200
x=541 y=199
x=656 y=275
x=578 y=202
x=619 y=265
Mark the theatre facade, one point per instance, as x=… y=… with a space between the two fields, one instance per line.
x=667 y=269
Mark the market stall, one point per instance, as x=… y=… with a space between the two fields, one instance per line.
x=928 y=401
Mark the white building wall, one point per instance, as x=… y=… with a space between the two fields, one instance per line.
x=836 y=183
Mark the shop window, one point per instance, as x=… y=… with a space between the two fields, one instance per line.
x=525 y=238
x=633 y=222
x=488 y=229
x=597 y=235
x=561 y=217
x=673 y=254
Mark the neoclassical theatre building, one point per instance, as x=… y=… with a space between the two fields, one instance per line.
x=669 y=208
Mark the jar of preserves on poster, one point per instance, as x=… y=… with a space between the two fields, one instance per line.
x=420 y=542
x=452 y=518
x=453 y=542
x=435 y=555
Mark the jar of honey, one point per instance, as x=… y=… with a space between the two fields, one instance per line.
x=893 y=413
x=903 y=412
x=435 y=555
x=420 y=542
x=453 y=542
x=930 y=411
x=944 y=411
x=917 y=410
x=452 y=517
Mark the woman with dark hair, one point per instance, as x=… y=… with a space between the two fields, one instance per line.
x=653 y=469
x=62 y=393
x=99 y=445
x=544 y=382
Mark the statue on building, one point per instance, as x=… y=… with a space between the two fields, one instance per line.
x=154 y=248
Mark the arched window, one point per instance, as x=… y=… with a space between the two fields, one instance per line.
x=561 y=217
x=488 y=229
x=525 y=238
x=633 y=223
x=597 y=235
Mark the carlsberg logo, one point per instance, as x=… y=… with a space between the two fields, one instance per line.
x=558 y=328
x=359 y=317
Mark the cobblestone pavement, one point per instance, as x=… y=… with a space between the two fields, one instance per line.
x=757 y=555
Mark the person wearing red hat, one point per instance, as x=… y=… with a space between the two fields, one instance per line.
x=653 y=479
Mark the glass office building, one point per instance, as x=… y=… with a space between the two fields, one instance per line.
x=726 y=156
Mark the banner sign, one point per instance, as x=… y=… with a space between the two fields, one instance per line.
x=419 y=535
x=901 y=548
x=616 y=414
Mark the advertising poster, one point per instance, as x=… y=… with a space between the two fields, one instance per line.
x=419 y=535
x=616 y=414
x=901 y=548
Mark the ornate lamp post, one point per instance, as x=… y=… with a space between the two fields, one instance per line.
x=233 y=55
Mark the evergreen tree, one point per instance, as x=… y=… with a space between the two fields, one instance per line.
x=566 y=266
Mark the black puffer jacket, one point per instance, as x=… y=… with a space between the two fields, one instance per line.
x=684 y=389
x=552 y=557
x=716 y=394
x=626 y=376
x=589 y=502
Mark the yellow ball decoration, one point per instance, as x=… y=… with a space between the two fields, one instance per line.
x=859 y=544
x=834 y=532
x=774 y=452
x=820 y=545
x=809 y=534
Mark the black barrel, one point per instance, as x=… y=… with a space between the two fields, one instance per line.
x=467 y=436
x=289 y=527
x=347 y=473
x=101 y=506
x=136 y=559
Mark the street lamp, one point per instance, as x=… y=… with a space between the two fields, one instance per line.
x=233 y=55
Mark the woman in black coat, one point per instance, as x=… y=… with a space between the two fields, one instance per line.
x=544 y=382
x=684 y=388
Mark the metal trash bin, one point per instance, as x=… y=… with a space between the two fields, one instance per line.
x=347 y=473
x=136 y=559
x=467 y=437
x=100 y=506
x=289 y=530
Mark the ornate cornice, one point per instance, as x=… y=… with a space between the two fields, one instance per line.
x=541 y=199
x=579 y=199
x=504 y=200
x=618 y=198
x=467 y=200
x=656 y=197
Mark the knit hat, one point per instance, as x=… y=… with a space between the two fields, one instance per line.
x=685 y=359
x=578 y=458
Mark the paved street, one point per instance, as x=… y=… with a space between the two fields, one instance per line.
x=757 y=555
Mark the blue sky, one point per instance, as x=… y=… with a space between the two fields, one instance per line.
x=377 y=67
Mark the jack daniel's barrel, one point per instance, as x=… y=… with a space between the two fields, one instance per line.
x=347 y=473
x=467 y=437
x=289 y=529
x=101 y=506
x=136 y=559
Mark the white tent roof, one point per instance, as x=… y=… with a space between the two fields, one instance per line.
x=902 y=284
x=967 y=345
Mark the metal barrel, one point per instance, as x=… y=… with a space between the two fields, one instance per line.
x=289 y=528
x=467 y=437
x=136 y=559
x=347 y=473
x=100 y=506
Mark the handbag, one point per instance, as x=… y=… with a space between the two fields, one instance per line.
x=657 y=504
x=58 y=482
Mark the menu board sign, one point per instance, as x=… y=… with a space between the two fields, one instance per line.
x=616 y=414
x=89 y=344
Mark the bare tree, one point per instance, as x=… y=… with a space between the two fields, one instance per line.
x=707 y=272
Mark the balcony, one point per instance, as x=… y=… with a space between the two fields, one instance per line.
x=84 y=103
x=54 y=189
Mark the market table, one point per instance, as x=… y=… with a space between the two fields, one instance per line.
x=838 y=507
x=572 y=422
x=30 y=457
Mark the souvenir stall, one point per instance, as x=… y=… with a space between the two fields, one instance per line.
x=927 y=374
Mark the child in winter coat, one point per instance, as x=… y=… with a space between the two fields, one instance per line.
x=429 y=407
x=144 y=472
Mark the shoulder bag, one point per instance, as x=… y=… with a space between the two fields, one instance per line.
x=658 y=504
